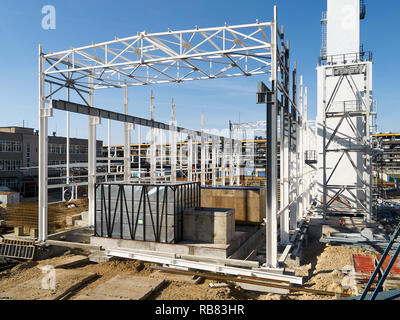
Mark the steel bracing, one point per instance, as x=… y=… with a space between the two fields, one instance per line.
x=347 y=138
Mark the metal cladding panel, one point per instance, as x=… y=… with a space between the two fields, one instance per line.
x=143 y=212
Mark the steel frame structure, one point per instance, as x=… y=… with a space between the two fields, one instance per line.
x=169 y=57
x=358 y=114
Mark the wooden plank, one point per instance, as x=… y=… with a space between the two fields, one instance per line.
x=249 y=205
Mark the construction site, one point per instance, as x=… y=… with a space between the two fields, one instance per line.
x=285 y=208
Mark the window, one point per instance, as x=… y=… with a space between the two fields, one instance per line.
x=28 y=155
x=10 y=165
x=10 y=146
x=11 y=183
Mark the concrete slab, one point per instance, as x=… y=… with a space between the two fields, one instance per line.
x=124 y=287
x=175 y=277
x=65 y=281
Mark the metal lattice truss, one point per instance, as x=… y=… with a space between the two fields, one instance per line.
x=169 y=57
x=356 y=114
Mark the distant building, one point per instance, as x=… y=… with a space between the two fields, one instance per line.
x=19 y=149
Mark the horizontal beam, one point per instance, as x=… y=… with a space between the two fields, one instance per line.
x=130 y=254
x=111 y=115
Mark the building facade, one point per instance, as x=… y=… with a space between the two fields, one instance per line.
x=19 y=157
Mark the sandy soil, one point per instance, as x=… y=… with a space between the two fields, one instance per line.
x=324 y=269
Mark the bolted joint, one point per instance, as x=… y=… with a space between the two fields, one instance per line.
x=95 y=121
x=46 y=112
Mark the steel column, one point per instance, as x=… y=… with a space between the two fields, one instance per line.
x=43 y=152
x=271 y=168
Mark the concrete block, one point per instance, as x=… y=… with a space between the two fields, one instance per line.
x=210 y=225
x=34 y=233
x=85 y=216
x=100 y=257
x=70 y=220
x=18 y=231
x=81 y=223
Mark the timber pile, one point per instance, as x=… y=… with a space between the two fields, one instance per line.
x=26 y=214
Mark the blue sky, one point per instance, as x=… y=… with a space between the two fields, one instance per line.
x=81 y=22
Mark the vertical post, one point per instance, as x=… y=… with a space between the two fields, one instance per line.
x=238 y=152
x=203 y=152
x=230 y=155
x=68 y=138
x=127 y=140
x=214 y=162
x=43 y=153
x=190 y=158
x=284 y=117
x=195 y=156
x=173 y=151
x=271 y=168
x=299 y=158
x=368 y=134
x=324 y=178
x=224 y=160
x=181 y=156
x=306 y=139
x=140 y=152
x=153 y=162
x=293 y=140
x=160 y=133
x=109 y=148
x=92 y=150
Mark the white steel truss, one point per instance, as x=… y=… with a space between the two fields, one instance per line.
x=168 y=57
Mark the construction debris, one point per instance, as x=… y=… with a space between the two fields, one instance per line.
x=17 y=249
x=59 y=215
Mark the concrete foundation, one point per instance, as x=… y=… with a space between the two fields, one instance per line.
x=242 y=244
x=209 y=225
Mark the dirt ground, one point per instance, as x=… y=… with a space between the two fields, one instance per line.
x=324 y=269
